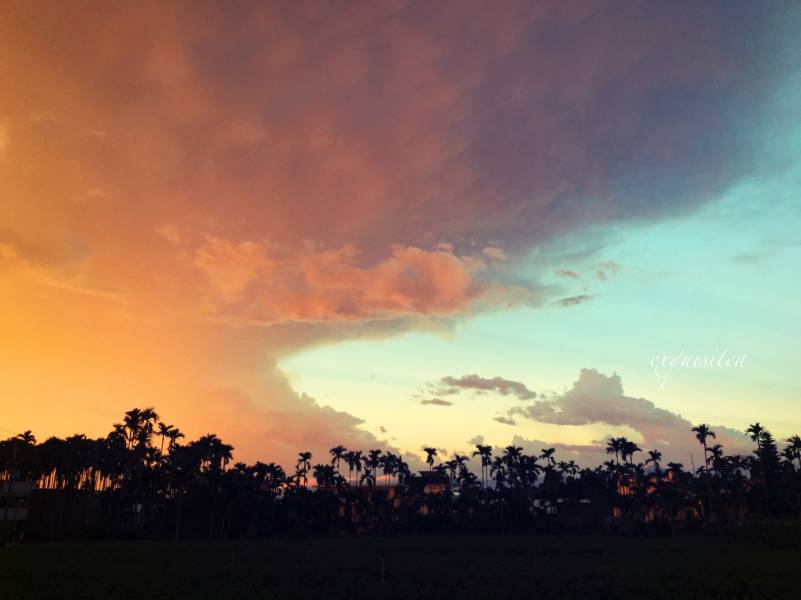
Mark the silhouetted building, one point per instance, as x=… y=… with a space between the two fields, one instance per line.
x=434 y=482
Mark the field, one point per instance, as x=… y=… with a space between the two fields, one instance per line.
x=548 y=567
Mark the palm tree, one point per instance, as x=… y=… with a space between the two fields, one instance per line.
x=715 y=455
x=628 y=449
x=337 y=454
x=303 y=466
x=756 y=431
x=402 y=469
x=271 y=475
x=655 y=457
x=761 y=436
x=139 y=425
x=527 y=471
x=350 y=460
x=29 y=439
x=498 y=471
x=371 y=464
x=389 y=465
x=174 y=435
x=613 y=446
x=451 y=466
x=431 y=454
x=358 y=461
x=702 y=432
x=461 y=466
x=794 y=449
x=164 y=431
x=512 y=454
x=547 y=456
x=323 y=475
x=485 y=452
x=571 y=468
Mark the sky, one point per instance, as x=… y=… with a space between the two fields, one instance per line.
x=390 y=224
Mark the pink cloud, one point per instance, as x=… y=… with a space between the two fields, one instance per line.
x=270 y=283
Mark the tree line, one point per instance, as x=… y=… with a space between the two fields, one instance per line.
x=142 y=480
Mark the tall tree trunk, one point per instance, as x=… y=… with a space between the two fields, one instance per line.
x=211 y=516
x=179 y=511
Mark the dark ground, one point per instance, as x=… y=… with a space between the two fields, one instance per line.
x=421 y=567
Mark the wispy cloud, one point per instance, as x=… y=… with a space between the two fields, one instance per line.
x=436 y=402
x=504 y=387
x=750 y=258
x=574 y=300
x=606 y=270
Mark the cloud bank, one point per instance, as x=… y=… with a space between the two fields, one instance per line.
x=597 y=398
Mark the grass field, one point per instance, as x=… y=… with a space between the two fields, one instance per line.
x=456 y=567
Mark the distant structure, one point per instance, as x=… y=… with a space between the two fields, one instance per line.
x=434 y=482
x=14 y=500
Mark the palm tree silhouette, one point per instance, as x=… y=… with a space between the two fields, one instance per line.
x=351 y=458
x=460 y=467
x=389 y=464
x=359 y=460
x=625 y=448
x=715 y=455
x=547 y=456
x=702 y=433
x=760 y=435
x=164 y=432
x=794 y=449
x=451 y=467
x=142 y=488
x=485 y=452
x=756 y=431
x=175 y=434
x=498 y=471
x=371 y=464
x=26 y=437
x=613 y=446
x=337 y=454
x=431 y=455
x=303 y=466
x=655 y=457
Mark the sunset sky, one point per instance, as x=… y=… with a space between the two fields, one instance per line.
x=389 y=224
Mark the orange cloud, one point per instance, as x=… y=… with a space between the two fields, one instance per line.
x=267 y=283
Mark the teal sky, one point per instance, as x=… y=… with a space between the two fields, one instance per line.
x=725 y=276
